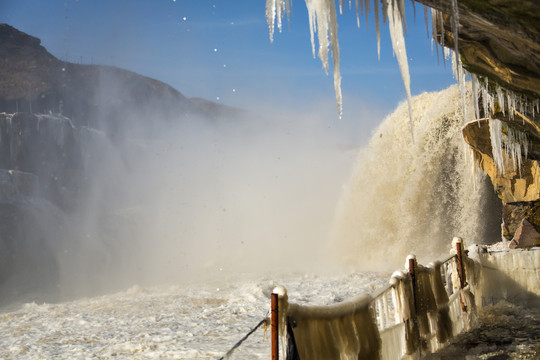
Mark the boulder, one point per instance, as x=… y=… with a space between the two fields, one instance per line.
x=526 y=236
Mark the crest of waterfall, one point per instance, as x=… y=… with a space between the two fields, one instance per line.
x=405 y=196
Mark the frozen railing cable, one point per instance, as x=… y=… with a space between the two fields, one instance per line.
x=264 y=321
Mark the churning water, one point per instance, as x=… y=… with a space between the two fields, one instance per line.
x=402 y=198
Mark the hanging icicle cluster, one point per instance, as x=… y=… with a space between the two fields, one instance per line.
x=490 y=98
x=323 y=22
x=507 y=143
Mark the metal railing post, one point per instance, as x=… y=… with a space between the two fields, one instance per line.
x=412 y=271
x=461 y=269
x=275 y=326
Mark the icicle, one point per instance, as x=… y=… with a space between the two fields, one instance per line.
x=460 y=76
x=514 y=143
x=398 y=44
x=323 y=20
x=516 y=147
x=440 y=16
x=274 y=12
x=366 y=9
x=509 y=104
x=495 y=133
x=377 y=27
x=500 y=98
x=474 y=81
x=487 y=102
x=402 y=14
x=447 y=53
x=426 y=20
x=435 y=31
x=455 y=25
x=357 y=15
x=455 y=66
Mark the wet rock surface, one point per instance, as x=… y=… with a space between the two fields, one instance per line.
x=505 y=331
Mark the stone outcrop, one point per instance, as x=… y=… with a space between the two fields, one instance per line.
x=512 y=185
x=518 y=189
x=69 y=134
x=500 y=40
x=46 y=146
x=526 y=236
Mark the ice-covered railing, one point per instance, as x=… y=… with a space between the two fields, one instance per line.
x=416 y=313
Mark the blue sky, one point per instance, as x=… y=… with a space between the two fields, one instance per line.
x=220 y=50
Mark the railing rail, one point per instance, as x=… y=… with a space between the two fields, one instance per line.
x=417 y=312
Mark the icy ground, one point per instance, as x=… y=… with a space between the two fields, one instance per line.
x=505 y=331
x=181 y=322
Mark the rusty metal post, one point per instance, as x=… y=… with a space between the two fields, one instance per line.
x=412 y=271
x=275 y=326
x=461 y=269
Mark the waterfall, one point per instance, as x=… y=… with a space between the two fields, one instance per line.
x=406 y=197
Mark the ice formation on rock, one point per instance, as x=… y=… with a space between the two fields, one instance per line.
x=323 y=21
x=513 y=142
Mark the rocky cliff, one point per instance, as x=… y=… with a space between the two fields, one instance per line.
x=101 y=97
x=499 y=42
x=70 y=136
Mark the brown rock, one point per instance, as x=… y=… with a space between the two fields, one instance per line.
x=526 y=236
x=499 y=39
x=512 y=186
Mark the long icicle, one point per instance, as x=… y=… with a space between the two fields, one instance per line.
x=398 y=44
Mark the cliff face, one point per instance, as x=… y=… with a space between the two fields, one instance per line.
x=102 y=97
x=499 y=40
x=70 y=137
